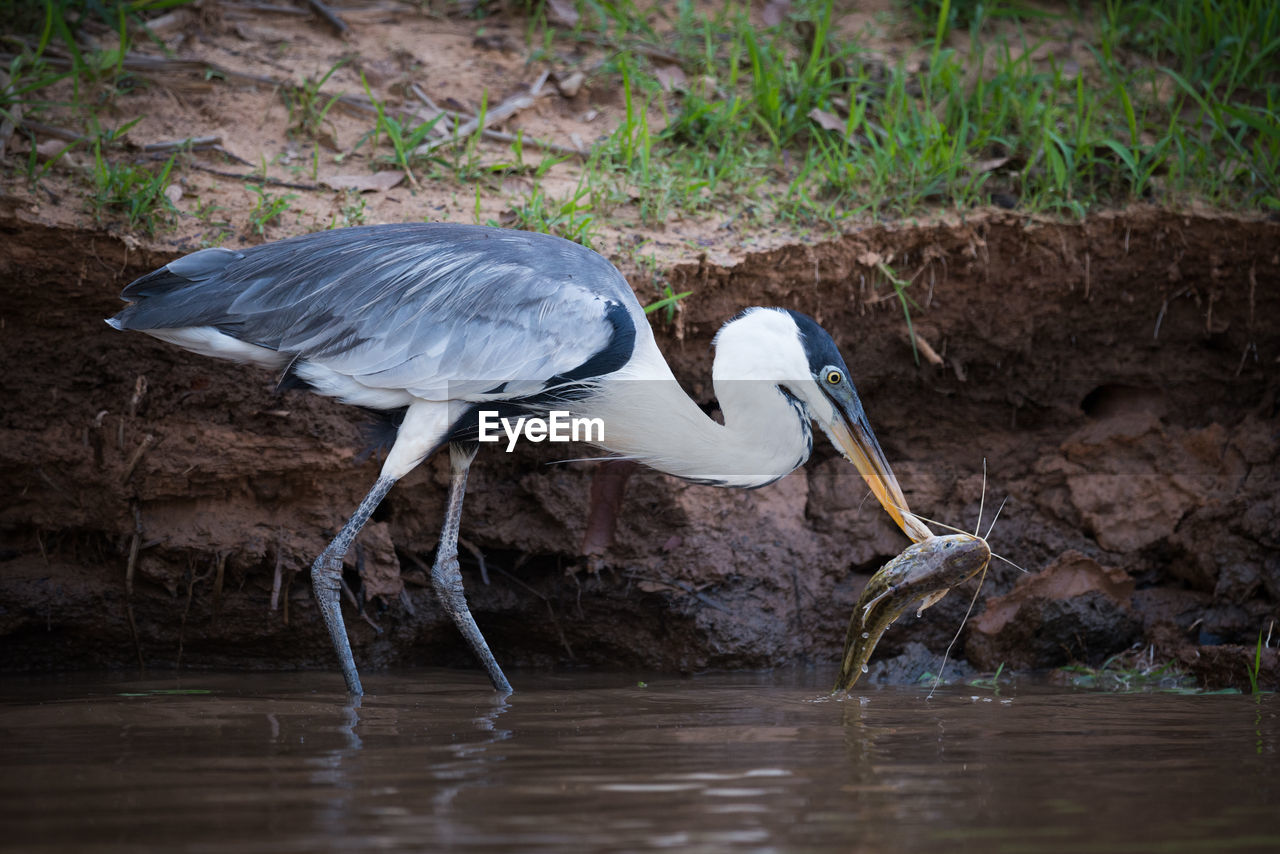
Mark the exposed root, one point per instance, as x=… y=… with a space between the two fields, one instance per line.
x=128 y=581
x=147 y=441
x=218 y=577
x=192 y=581
x=351 y=598
x=279 y=571
x=479 y=556
x=564 y=640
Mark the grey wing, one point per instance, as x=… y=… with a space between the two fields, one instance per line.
x=438 y=311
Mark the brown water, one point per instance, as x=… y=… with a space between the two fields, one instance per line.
x=431 y=761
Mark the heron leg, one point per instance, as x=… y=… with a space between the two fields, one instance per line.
x=446 y=577
x=326 y=581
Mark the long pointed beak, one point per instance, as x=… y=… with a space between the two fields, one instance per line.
x=852 y=434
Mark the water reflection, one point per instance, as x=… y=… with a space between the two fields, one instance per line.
x=434 y=761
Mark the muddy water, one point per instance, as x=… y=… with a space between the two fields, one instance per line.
x=430 y=761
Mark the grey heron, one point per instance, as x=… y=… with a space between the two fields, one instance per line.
x=437 y=323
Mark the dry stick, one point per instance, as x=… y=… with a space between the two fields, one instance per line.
x=50 y=130
x=257 y=179
x=156 y=65
x=218 y=577
x=147 y=441
x=498 y=114
x=263 y=7
x=680 y=585
x=160 y=65
x=288 y=582
x=275 y=581
x=330 y=17
x=926 y=349
x=158 y=150
x=190 y=143
x=479 y=556
x=545 y=145
x=192 y=581
x=139 y=392
x=351 y=597
x=128 y=581
x=551 y=611
x=489 y=133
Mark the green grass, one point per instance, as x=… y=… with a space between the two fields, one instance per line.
x=134 y=191
x=1255 y=668
x=569 y=218
x=1151 y=113
x=667 y=303
x=801 y=123
x=991 y=683
x=308 y=107
x=1132 y=671
x=267 y=207
x=404 y=138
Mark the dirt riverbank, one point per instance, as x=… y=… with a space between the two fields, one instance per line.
x=1118 y=375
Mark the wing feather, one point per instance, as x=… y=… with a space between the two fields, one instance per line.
x=428 y=308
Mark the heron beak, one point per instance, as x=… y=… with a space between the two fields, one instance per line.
x=850 y=431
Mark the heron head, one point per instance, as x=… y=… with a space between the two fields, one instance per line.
x=828 y=393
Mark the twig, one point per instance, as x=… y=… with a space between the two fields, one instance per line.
x=264 y=7
x=257 y=179
x=191 y=143
x=192 y=581
x=158 y=150
x=930 y=355
x=288 y=582
x=218 y=576
x=351 y=597
x=128 y=582
x=161 y=65
x=133 y=551
x=1164 y=306
x=546 y=145
x=330 y=17
x=679 y=585
x=564 y=640
x=497 y=115
x=50 y=130
x=147 y=441
x=1087 y=277
x=139 y=392
x=479 y=556
x=489 y=133
x=279 y=573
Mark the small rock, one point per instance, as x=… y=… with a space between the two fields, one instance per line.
x=569 y=85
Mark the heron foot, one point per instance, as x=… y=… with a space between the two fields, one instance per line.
x=326 y=582
x=446 y=578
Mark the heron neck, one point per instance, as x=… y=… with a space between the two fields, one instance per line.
x=649 y=418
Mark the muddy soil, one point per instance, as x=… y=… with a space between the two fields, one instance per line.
x=1119 y=376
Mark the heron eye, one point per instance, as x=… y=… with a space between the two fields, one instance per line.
x=834 y=377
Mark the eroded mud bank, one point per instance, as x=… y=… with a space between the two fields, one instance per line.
x=1119 y=376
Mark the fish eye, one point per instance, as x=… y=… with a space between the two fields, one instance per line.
x=834 y=377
